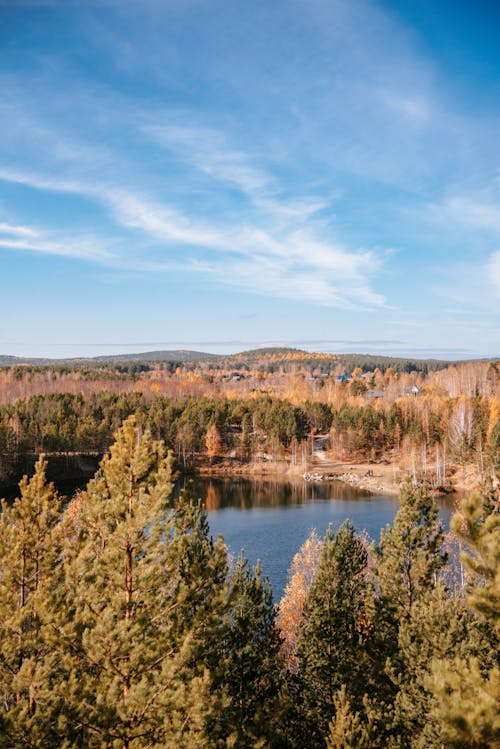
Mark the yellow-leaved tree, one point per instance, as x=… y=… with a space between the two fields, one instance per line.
x=301 y=575
x=213 y=442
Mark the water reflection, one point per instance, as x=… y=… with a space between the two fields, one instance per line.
x=270 y=520
x=245 y=494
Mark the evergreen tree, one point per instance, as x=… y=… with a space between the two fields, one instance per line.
x=407 y=561
x=250 y=670
x=438 y=627
x=468 y=702
x=468 y=689
x=410 y=553
x=29 y=549
x=335 y=628
x=477 y=524
x=143 y=589
x=349 y=729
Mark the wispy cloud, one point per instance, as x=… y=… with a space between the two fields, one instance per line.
x=19 y=231
x=38 y=181
x=81 y=249
x=471 y=211
x=209 y=152
x=207 y=149
x=284 y=264
x=294 y=266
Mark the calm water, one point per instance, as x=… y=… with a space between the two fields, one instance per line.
x=271 y=520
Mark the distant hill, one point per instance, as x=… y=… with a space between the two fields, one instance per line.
x=177 y=355
x=14 y=361
x=257 y=353
x=145 y=356
x=269 y=359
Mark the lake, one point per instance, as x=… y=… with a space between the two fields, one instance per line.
x=270 y=520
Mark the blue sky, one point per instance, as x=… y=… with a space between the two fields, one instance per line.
x=219 y=175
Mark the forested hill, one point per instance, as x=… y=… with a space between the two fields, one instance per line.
x=265 y=359
x=180 y=355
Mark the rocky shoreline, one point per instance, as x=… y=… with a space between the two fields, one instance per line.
x=367 y=482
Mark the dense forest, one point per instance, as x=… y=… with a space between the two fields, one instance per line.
x=125 y=625
x=431 y=426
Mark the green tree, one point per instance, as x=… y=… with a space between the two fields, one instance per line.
x=335 y=628
x=438 y=627
x=410 y=553
x=29 y=549
x=467 y=690
x=407 y=561
x=142 y=593
x=349 y=729
x=250 y=672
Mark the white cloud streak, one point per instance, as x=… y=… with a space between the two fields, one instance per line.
x=19 y=231
x=207 y=151
x=470 y=211
x=82 y=249
x=290 y=264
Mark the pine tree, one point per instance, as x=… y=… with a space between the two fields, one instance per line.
x=142 y=592
x=410 y=553
x=468 y=703
x=29 y=549
x=349 y=729
x=249 y=671
x=467 y=690
x=438 y=627
x=477 y=525
x=407 y=562
x=331 y=646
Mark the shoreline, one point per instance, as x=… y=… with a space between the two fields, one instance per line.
x=353 y=475
x=375 y=478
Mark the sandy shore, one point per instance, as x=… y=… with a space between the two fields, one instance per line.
x=376 y=478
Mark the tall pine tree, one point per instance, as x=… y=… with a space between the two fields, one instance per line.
x=407 y=563
x=250 y=671
x=438 y=627
x=467 y=690
x=141 y=598
x=335 y=628
x=29 y=550
x=410 y=553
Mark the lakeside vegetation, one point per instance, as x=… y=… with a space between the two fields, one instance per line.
x=438 y=425
x=124 y=625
